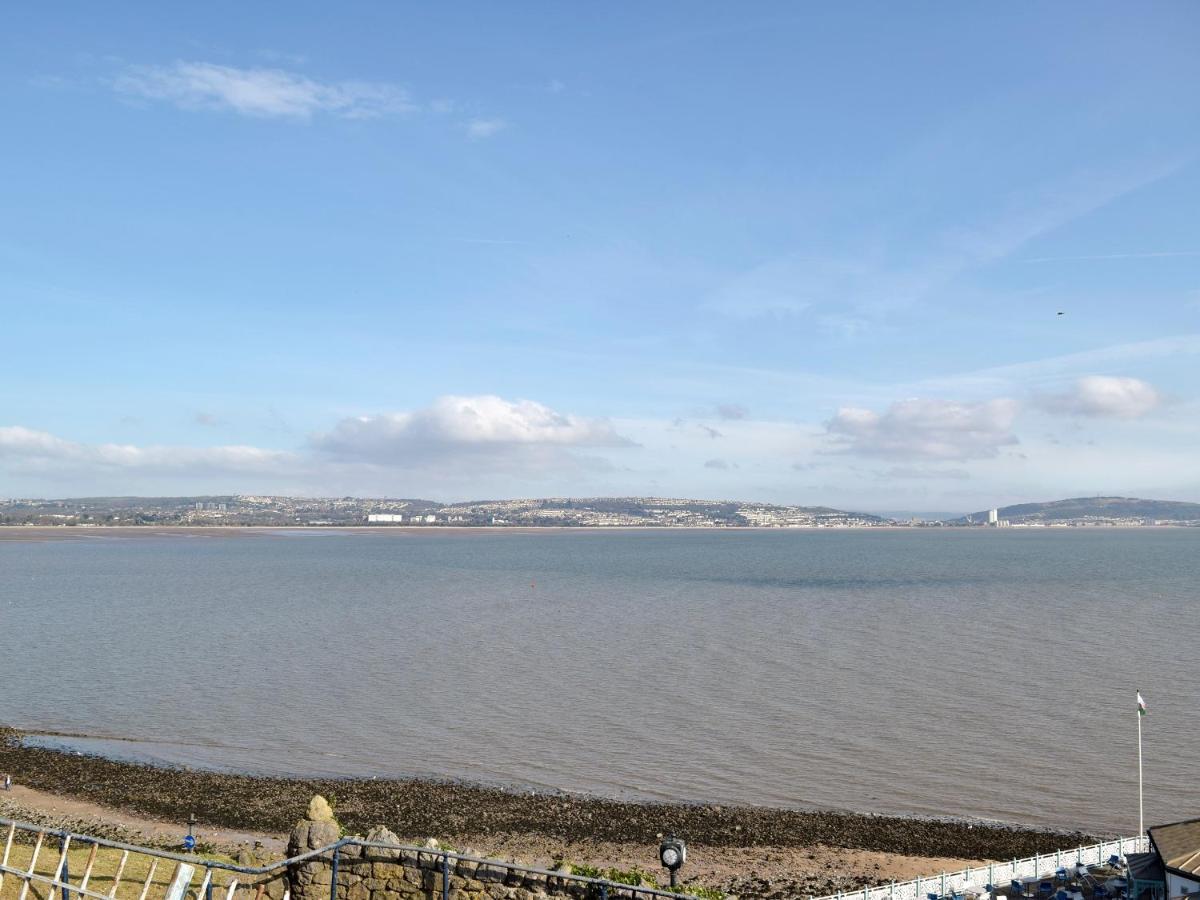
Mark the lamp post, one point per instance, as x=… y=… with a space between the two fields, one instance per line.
x=672 y=853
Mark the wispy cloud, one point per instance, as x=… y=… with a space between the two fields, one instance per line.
x=489 y=241
x=923 y=472
x=927 y=429
x=261 y=92
x=1104 y=396
x=1161 y=254
x=1054 y=368
x=480 y=129
x=846 y=293
x=31 y=450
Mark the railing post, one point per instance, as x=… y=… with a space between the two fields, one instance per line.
x=333 y=873
x=66 y=872
x=208 y=878
x=446 y=876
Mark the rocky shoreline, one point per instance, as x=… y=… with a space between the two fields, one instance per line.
x=445 y=809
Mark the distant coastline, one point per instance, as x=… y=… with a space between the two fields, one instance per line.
x=265 y=511
x=48 y=533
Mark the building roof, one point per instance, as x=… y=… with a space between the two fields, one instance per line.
x=1178 y=844
x=1145 y=867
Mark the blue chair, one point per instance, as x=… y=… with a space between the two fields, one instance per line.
x=1045 y=888
x=1099 y=892
x=932 y=897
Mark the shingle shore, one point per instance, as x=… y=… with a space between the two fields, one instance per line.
x=439 y=808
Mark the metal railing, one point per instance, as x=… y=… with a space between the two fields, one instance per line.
x=1000 y=873
x=223 y=877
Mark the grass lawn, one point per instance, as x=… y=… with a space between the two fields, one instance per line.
x=105 y=866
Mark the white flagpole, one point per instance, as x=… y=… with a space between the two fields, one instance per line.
x=1141 y=823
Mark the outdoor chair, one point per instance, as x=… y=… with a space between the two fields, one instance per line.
x=1100 y=892
x=1060 y=875
x=1045 y=889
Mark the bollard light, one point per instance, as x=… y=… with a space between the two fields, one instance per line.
x=672 y=853
x=189 y=842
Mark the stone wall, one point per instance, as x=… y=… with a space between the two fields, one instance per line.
x=367 y=873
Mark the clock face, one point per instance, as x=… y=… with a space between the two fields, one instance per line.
x=670 y=857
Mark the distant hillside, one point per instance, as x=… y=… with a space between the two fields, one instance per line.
x=1084 y=510
x=251 y=509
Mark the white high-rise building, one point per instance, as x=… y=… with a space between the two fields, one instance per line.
x=993 y=517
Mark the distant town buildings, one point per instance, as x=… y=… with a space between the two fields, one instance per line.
x=994 y=520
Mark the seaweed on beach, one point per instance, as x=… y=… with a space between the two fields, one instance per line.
x=425 y=807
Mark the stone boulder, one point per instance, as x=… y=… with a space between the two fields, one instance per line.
x=319 y=810
x=381 y=835
x=317 y=829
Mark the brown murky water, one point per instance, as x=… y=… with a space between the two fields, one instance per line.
x=972 y=673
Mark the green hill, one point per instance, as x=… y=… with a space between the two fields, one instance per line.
x=1096 y=509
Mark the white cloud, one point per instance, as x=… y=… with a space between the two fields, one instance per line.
x=464 y=445
x=1103 y=396
x=266 y=93
x=478 y=129
x=30 y=450
x=927 y=429
x=463 y=425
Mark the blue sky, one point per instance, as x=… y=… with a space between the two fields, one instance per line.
x=773 y=251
